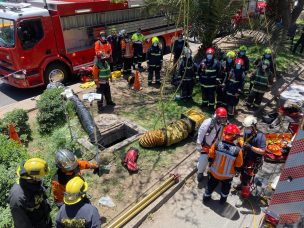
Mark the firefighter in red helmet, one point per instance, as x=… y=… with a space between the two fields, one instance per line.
x=225 y=159
x=233 y=86
x=209 y=132
x=208 y=71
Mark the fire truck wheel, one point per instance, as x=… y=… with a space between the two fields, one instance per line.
x=55 y=72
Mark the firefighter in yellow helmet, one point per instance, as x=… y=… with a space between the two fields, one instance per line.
x=27 y=199
x=154 y=61
x=77 y=210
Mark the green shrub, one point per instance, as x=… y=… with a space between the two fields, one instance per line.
x=19 y=118
x=50 y=110
x=11 y=155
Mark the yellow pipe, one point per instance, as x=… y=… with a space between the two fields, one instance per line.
x=128 y=215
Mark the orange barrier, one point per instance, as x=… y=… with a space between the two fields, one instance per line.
x=136 y=85
x=13 y=134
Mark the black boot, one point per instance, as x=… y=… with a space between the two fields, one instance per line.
x=206 y=199
x=200 y=177
x=223 y=200
x=111 y=103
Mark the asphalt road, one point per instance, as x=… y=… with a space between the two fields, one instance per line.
x=10 y=95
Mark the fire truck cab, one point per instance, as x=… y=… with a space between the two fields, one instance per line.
x=42 y=43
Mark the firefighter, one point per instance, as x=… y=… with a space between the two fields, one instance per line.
x=260 y=85
x=177 y=50
x=127 y=53
x=208 y=71
x=102 y=74
x=115 y=42
x=209 y=132
x=102 y=45
x=268 y=56
x=242 y=54
x=27 y=198
x=154 y=61
x=77 y=210
x=225 y=159
x=254 y=145
x=187 y=75
x=138 y=40
x=68 y=167
x=233 y=86
x=227 y=64
x=300 y=41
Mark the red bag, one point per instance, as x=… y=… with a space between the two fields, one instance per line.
x=245 y=191
x=130 y=160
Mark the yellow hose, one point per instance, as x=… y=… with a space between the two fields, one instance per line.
x=133 y=211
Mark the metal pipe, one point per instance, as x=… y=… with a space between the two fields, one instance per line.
x=128 y=215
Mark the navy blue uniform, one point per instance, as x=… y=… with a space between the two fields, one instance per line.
x=252 y=159
x=187 y=74
x=115 y=42
x=208 y=71
x=29 y=205
x=80 y=215
x=154 y=61
x=233 y=87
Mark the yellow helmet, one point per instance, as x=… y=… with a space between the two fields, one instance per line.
x=75 y=190
x=231 y=54
x=33 y=169
x=155 y=39
x=268 y=51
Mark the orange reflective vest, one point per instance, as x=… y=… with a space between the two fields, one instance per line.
x=127 y=48
x=60 y=179
x=105 y=48
x=225 y=158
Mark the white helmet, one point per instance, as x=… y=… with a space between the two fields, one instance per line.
x=123 y=32
x=250 y=121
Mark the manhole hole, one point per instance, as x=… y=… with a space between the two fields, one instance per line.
x=117 y=134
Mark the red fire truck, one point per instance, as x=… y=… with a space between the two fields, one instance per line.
x=43 y=42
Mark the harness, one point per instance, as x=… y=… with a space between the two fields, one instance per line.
x=205 y=147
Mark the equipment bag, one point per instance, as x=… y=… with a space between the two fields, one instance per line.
x=130 y=160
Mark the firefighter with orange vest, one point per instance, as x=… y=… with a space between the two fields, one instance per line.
x=225 y=159
x=68 y=167
x=127 y=52
x=103 y=46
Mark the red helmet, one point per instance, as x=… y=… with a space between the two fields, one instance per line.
x=221 y=112
x=239 y=61
x=210 y=51
x=231 y=132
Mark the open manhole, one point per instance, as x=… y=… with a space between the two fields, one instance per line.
x=119 y=135
x=115 y=133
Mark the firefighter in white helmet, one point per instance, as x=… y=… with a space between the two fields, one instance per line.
x=253 y=146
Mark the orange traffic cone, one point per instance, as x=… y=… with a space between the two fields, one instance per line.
x=13 y=134
x=136 y=85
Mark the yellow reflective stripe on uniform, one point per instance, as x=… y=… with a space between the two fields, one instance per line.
x=230 y=94
x=261 y=83
x=156 y=54
x=210 y=71
x=234 y=81
x=258 y=91
x=208 y=86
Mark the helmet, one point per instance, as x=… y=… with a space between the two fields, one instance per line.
x=243 y=48
x=268 y=51
x=221 y=112
x=113 y=29
x=75 y=190
x=65 y=159
x=210 y=51
x=123 y=32
x=231 y=132
x=102 y=33
x=250 y=121
x=34 y=168
x=231 y=54
x=155 y=39
x=239 y=61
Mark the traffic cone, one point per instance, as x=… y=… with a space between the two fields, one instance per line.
x=13 y=134
x=136 y=85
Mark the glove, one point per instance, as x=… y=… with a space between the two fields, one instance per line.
x=96 y=171
x=247 y=146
